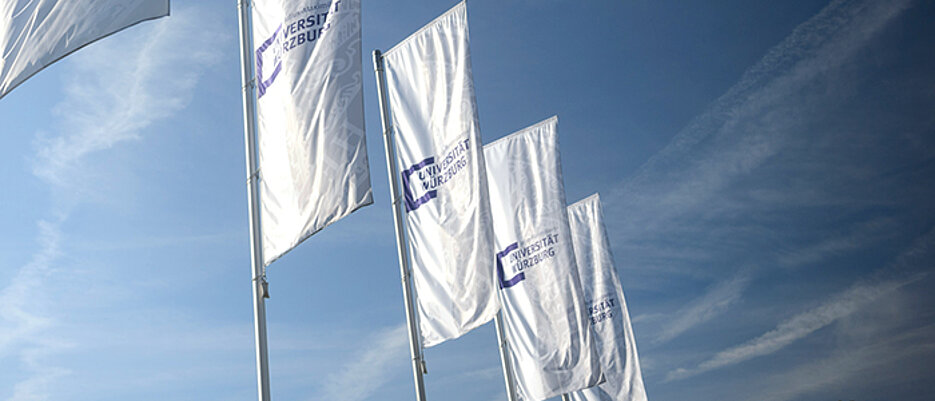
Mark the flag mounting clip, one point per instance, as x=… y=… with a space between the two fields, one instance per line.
x=264 y=285
x=254 y=174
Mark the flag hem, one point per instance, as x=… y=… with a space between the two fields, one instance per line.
x=523 y=130
x=305 y=237
x=168 y=9
x=462 y=3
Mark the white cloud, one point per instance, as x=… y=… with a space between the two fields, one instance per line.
x=723 y=177
x=908 y=267
x=838 y=243
x=115 y=89
x=124 y=84
x=797 y=327
x=24 y=330
x=882 y=358
x=880 y=351
x=17 y=321
x=714 y=302
x=370 y=368
x=767 y=177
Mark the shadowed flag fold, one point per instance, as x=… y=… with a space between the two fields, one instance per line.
x=606 y=306
x=444 y=185
x=312 y=153
x=551 y=344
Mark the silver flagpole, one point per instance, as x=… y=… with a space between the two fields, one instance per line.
x=418 y=364
x=505 y=359
x=256 y=251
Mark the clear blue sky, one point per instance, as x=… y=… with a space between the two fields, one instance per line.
x=767 y=171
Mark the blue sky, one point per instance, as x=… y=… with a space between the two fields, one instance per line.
x=766 y=169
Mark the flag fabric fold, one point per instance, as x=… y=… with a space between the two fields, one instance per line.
x=34 y=34
x=606 y=306
x=444 y=188
x=312 y=153
x=550 y=341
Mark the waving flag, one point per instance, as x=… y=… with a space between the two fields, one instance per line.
x=431 y=94
x=607 y=309
x=546 y=325
x=34 y=34
x=310 y=118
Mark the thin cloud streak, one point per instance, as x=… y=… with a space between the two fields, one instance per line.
x=797 y=327
x=122 y=86
x=117 y=88
x=693 y=196
x=906 y=268
x=25 y=331
x=17 y=322
x=813 y=47
x=855 y=365
x=839 y=243
x=766 y=177
x=371 y=368
x=745 y=182
x=716 y=301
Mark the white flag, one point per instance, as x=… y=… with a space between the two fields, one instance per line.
x=431 y=94
x=606 y=306
x=546 y=325
x=34 y=34
x=310 y=118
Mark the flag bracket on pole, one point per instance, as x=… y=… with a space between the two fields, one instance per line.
x=264 y=284
x=250 y=85
x=255 y=174
x=397 y=197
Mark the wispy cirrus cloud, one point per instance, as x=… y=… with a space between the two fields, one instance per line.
x=766 y=153
x=114 y=91
x=24 y=329
x=879 y=358
x=909 y=267
x=797 y=327
x=837 y=243
x=123 y=85
x=15 y=298
x=806 y=168
x=718 y=299
x=370 y=367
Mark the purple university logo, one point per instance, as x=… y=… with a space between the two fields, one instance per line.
x=516 y=260
x=269 y=54
x=412 y=202
x=422 y=180
x=517 y=278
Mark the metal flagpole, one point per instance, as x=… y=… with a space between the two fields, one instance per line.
x=418 y=364
x=256 y=251
x=505 y=359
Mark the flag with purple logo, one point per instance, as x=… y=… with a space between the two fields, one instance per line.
x=606 y=306
x=551 y=345
x=312 y=155
x=34 y=34
x=444 y=186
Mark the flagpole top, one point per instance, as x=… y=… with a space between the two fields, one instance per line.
x=377 y=60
